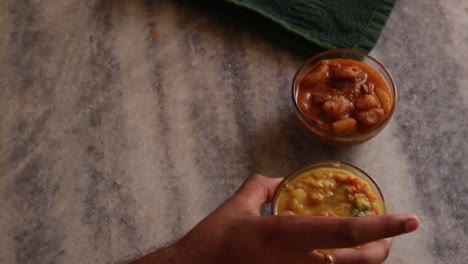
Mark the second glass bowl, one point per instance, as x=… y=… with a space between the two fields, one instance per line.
x=331 y=137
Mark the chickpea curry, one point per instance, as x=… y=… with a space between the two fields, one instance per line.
x=344 y=96
x=328 y=192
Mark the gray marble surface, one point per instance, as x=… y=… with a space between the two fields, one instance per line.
x=123 y=123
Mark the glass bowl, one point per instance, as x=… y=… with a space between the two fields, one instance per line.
x=355 y=171
x=329 y=136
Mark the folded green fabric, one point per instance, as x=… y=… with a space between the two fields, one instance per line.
x=330 y=24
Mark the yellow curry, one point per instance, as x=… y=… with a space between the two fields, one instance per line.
x=328 y=192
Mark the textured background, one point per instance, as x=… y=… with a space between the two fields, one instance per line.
x=123 y=123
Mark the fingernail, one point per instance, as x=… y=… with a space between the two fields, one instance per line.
x=411 y=225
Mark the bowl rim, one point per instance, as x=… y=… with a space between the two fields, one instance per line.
x=329 y=164
x=304 y=67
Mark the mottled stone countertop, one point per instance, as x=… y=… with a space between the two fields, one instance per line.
x=123 y=123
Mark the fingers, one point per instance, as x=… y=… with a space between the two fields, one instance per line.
x=304 y=258
x=372 y=253
x=255 y=191
x=305 y=232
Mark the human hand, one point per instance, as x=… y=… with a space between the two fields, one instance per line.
x=236 y=233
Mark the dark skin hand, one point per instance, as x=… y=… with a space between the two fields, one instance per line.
x=236 y=233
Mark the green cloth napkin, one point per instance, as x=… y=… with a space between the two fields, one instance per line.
x=330 y=24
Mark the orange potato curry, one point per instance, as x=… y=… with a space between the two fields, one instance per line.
x=328 y=192
x=344 y=96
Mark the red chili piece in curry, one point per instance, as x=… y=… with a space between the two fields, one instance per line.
x=344 y=96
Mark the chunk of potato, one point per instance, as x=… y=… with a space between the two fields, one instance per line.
x=316 y=74
x=299 y=194
x=345 y=126
x=366 y=102
x=385 y=100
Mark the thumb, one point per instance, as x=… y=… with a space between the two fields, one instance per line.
x=255 y=191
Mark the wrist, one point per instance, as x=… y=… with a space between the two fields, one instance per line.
x=167 y=255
